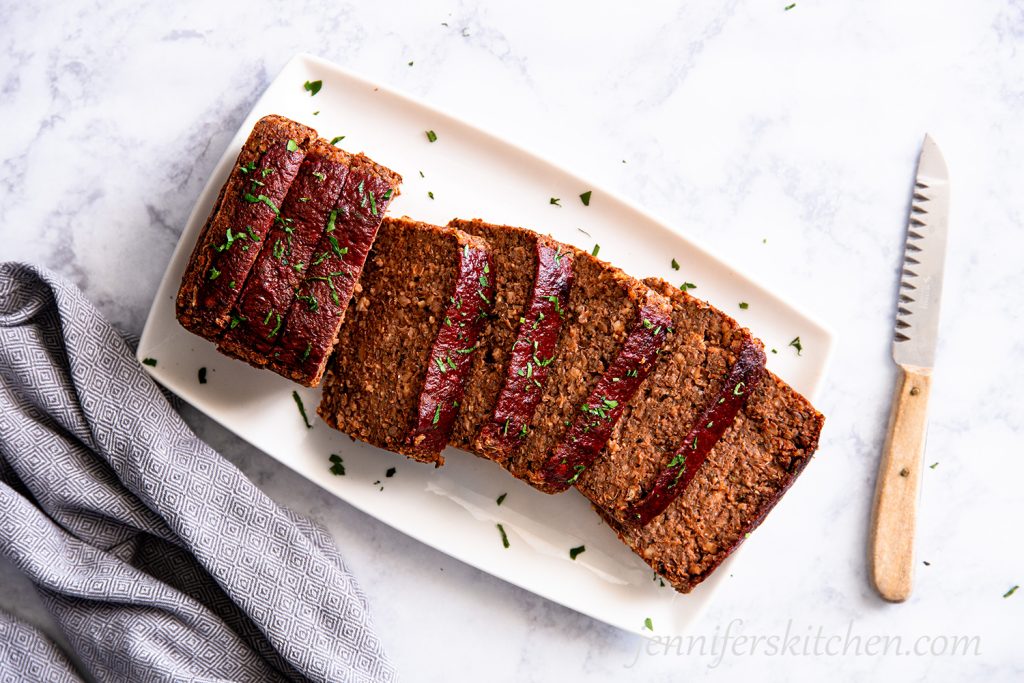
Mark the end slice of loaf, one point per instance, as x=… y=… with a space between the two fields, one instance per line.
x=242 y=216
x=752 y=465
x=398 y=373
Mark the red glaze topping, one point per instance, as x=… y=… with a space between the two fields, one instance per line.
x=532 y=353
x=335 y=266
x=450 y=357
x=619 y=383
x=264 y=190
x=702 y=437
x=282 y=263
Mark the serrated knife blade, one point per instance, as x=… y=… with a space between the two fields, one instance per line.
x=924 y=255
x=894 y=515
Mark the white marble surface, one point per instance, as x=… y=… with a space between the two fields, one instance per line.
x=737 y=121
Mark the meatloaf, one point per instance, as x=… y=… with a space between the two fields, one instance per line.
x=398 y=373
x=238 y=223
x=754 y=463
x=680 y=411
x=266 y=298
x=606 y=308
x=532 y=275
x=316 y=311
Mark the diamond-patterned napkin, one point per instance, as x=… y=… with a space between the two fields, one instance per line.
x=158 y=558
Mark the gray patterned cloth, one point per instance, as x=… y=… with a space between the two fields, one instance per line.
x=158 y=559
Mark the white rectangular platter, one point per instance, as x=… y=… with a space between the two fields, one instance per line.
x=471 y=174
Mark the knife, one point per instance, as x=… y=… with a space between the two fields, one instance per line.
x=891 y=546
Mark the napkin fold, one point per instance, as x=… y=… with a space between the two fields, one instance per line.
x=157 y=557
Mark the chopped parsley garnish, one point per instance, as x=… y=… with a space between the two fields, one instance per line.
x=310 y=301
x=789 y=7
x=687 y=285
x=744 y=305
x=236 y=320
x=151 y=362
x=596 y=250
x=933 y=465
x=338 y=138
x=390 y=473
x=431 y=136
x=648 y=624
x=293 y=146
x=214 y=273
x=437 y=414
x=675 y=264
x=277 y=327
x=574 y=552
x=270 y=313
x=585 y=198
x=579 y=470
x=302 y=408
x=797 y=345
x=387 y=195
x=202 y=375
x=309 y=347
x=555 y=201
x=252 y=199
x=410 y=63
x=504 y=536
x=320 y=176
x=337 y=466
x=313 y=87
x=316 y=113
x=337 y=248
x=373 y=203
x=430 y=194
x=247 y=168
x=331 y=220
x=1011 y=591
x=501 y=499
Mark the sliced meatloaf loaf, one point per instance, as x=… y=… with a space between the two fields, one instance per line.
x=314 y=318
x=398 y=373
x=612 y=329
x=240 y=219
x=756 y=460
x=267 y=296
x=532 y=275
x=705 y=372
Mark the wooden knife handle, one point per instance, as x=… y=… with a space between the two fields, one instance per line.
x=891 y=551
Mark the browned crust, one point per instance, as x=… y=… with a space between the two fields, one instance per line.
x=191 y=312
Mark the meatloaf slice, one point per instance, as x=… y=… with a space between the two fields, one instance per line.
x=754 y=463
x=679 y=414
x=312 y=324
x=532 y=275
x=263 y=305
x=248 y=203
x=578 y=407
x=398 y=372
